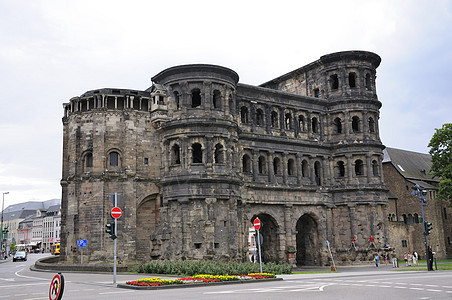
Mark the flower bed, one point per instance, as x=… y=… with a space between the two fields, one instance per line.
x=203 y=278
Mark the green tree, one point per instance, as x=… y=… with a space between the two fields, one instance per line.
x=441 y=152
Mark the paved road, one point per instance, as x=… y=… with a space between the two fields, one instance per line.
x=18 y=282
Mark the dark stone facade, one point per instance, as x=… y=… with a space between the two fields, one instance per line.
x=198 y=156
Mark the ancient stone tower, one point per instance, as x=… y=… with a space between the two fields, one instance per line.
x=198 y=156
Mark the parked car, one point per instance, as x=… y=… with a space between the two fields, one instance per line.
x=20 y=255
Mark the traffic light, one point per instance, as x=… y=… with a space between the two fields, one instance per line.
x=111 y=230
x=427 y=228
x=6 y=230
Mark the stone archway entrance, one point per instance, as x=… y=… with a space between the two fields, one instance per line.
x=308 y=248
x=269 y=234
x=147 y=220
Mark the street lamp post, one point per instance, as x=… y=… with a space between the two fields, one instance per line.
x=420 y=194
x=1 y=241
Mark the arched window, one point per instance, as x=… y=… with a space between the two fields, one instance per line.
x=274 y=119
x=368 y=84
x=195 y=98
x=352 y=79
x=359 y=167
x=405 y=220
x=246 y=164
x=216 y=99
x=88 y=160
x=410 y=219
x=375 y=168
x=334 y=82
x=316 y=93
x=197 y=153
x=177 y=99
x=175 y=155
x=416 y=218
x=371 y=125
x=113 y=160
x=341 y=168
x=259 y=117
x=317 y=173
x=288 y=121
x=304 y=168
x=315 y=125
x=277 y=166
x=219 y=154
x=290 y=167
x=244 y=114
x=355 y=124
x=262 y=164
x=338 y=125
x=301 y=123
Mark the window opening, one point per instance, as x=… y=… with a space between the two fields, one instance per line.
x=301 y=123
x=375 y=168
x=371 y=125
x=315 y=125
x=316 y=93
x=341 y=168
x=195 y=98
x=274 y=119
x=352 y=79
x=304 y=168
x=338 y=125
x=259 y=117
x=246 y=164
x=262 y=165
x=197 y=153
x=277 y=166
x=290 y=167
x=176 y=155
x=177 y=99
x=334 y=82
x=146 y=161
x=244 y=114
x=219 y=154
x=114 y=159
x=216 y=99
x=89 y=160
x=368 y=87
x=355 y=124
x=288 y=121
x=359 y=167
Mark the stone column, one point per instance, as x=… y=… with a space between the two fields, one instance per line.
x=270 y=171
x=369 y=167
x=349 y=167
x=255 y=164
x=285 y=167
x=299 y=171
x=352 y=209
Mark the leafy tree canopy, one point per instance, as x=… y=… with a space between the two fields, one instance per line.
x=441 y=151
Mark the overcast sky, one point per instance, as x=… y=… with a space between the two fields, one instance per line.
x=51 y=51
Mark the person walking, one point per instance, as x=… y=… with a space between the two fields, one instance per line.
x=376 y=260
x=394 y=260
x=405 y=256
x=430 y=257
x=416 y=257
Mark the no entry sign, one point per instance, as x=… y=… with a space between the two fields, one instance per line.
x=116 y=212
x=56 y=287
x=257 y=224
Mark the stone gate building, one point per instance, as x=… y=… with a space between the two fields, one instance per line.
x=198 y=156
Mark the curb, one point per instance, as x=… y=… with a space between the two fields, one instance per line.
x=191 y=285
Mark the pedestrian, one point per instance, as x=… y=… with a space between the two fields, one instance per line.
x=386 y=259
x=410 y=258
x=353 y=244
x=372 y=242
x=405 y=256
x=430 y=257
x=394 y=260
x=376 y=260
x=416 y=256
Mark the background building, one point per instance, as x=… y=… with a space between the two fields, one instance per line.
x=198 y=156
x=402 y=170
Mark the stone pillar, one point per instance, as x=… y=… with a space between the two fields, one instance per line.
x=285 y=167
x=349 y=168
x=369 y=167
x=299 y=171
x=255 y=164
x=351 y=208
x=270 y=170
x=365 y=126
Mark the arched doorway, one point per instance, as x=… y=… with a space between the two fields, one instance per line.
x=147 y=220
x=308 y=247
x=269 y=235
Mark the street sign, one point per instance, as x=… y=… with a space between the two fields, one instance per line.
x=257 y=224
x=116 y=212
x=82 y=243
x=56 y=287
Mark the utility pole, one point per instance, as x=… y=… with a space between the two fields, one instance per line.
x=1 y=242
x=420 y=194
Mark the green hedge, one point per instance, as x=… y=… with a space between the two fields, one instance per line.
x=190 y=268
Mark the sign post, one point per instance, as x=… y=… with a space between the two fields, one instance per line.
x=257 y=226
x=82 y=244
x=56 y=287
x=115 y=213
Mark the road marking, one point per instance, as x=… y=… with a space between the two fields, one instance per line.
x=121 y=292
x=417 y=289
x=21 y=284
x=400 y=287
x=430 y=290
x=23 y=276
x=7 y=279
x=432 y=285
